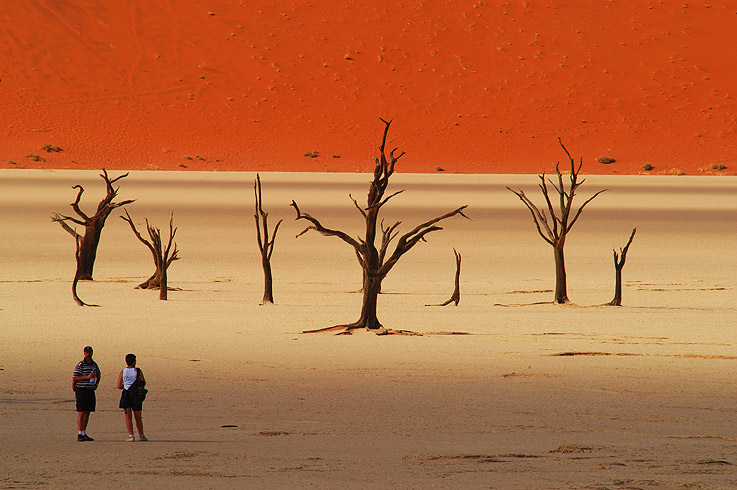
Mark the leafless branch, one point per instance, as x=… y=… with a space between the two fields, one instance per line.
x=411 y=238
x=578 y=213
x=623 y=251
x=537 y=216
x=317 y=226
x=355 y=203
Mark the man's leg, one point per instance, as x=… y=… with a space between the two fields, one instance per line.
x=83 y=419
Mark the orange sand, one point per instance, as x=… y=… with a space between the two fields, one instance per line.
x=478 y=87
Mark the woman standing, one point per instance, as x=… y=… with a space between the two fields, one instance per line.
x=126 y=378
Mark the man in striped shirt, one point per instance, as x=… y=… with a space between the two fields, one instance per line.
x=85 y=380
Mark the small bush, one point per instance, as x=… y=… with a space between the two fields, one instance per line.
x=35 y=157
x=311 y=154
x=647 y=167
x=605 y=160
x=49 y=148
x=718 y=166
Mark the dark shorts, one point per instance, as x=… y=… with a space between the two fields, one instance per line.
x=126 y=402
x=86 y=400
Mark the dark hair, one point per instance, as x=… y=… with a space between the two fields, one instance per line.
x=130 y=359
x=88 y=349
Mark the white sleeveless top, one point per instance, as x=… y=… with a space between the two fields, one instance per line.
x=129 y=376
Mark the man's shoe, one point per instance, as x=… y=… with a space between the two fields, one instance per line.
x=80 y=438
x=87 y=438
x=142 y=438
x=130 y=439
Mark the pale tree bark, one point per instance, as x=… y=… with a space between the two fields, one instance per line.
x=90 y=239
x=619 y=260
x=265 y=242
x=555 y=224
x=163 y=257
x=376 y=260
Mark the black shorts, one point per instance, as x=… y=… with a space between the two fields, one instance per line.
x=86 y=400
x=126 y=402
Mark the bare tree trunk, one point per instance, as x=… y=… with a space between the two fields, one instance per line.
x=265 y=242
x=77 y=255
x=617 y=300
x=164 y=286
x=268 y=281
x=456 y=296
x=619 y=260
x=371 y=290
x=88 y=250
x=561 y=287
x=76 y=277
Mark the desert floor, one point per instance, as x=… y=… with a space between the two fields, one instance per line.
x=240 y=398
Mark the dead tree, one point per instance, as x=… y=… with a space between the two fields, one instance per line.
x=456 y=296
x=88 y=242
x=555 y=228
x=265 y=244
x=376 y=262
x=619 y=259
x=162 y=257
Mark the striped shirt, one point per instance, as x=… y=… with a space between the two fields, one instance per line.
x=84 y=369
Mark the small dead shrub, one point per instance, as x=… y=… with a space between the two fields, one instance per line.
x=718 y=166
x=35 y=157
x=647 y=167
x=51 y=148
x=605 y=160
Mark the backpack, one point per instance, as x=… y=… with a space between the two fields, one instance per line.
x=137 y=391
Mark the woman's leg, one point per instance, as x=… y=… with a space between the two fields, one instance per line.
x=127 y=412
x=139 y=421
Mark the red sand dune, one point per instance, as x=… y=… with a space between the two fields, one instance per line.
x=472 y=87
